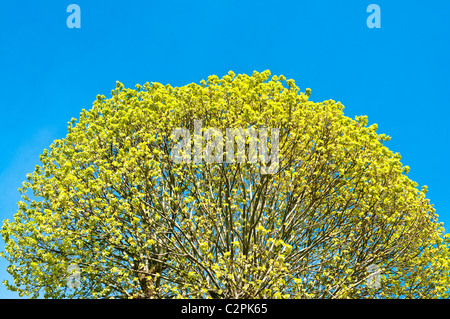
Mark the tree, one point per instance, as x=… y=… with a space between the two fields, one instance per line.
x=110 y=199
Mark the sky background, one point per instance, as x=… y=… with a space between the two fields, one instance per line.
x=398 y=75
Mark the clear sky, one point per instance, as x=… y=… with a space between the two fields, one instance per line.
x=398 y=75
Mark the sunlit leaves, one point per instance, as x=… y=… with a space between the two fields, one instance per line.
x=109 y=198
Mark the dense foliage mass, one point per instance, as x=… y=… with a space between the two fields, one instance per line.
x=109 y=198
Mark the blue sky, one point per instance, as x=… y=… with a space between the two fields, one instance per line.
x=397 y=75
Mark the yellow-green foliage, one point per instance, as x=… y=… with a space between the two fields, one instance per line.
x=108 y=198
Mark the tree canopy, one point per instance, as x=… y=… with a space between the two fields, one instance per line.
x=110 y=199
